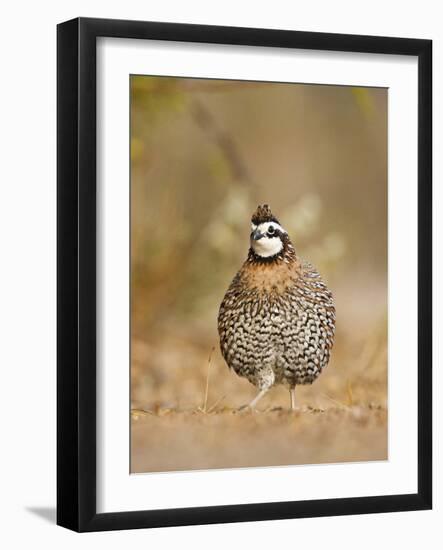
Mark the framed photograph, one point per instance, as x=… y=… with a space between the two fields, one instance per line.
x=244 y=274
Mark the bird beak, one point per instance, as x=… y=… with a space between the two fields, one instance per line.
x=256 y=235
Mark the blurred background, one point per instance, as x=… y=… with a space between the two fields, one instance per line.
x=204 y=154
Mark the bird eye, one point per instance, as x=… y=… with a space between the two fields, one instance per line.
x=271 y=229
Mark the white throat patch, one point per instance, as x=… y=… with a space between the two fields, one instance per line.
x=266 y=247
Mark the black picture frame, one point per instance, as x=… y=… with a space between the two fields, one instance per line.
x=76 y=274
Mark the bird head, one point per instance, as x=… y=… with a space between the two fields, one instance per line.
x=269 y=239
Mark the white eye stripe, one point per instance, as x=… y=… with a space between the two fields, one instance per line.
x=253 y=227
x=264 y=227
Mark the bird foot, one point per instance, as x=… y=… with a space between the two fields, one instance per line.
x=299 y=410
x=245 y=409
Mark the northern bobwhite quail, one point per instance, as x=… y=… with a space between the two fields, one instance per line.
x=277 y=319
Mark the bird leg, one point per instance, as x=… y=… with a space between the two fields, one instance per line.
x=292 y=394
x=257 y=398
x=254 y=402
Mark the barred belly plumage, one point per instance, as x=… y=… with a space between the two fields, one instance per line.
x=285 y=334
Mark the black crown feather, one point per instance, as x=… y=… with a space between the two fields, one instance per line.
x=263 y=214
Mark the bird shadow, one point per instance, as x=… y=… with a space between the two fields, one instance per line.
x=46 y=513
